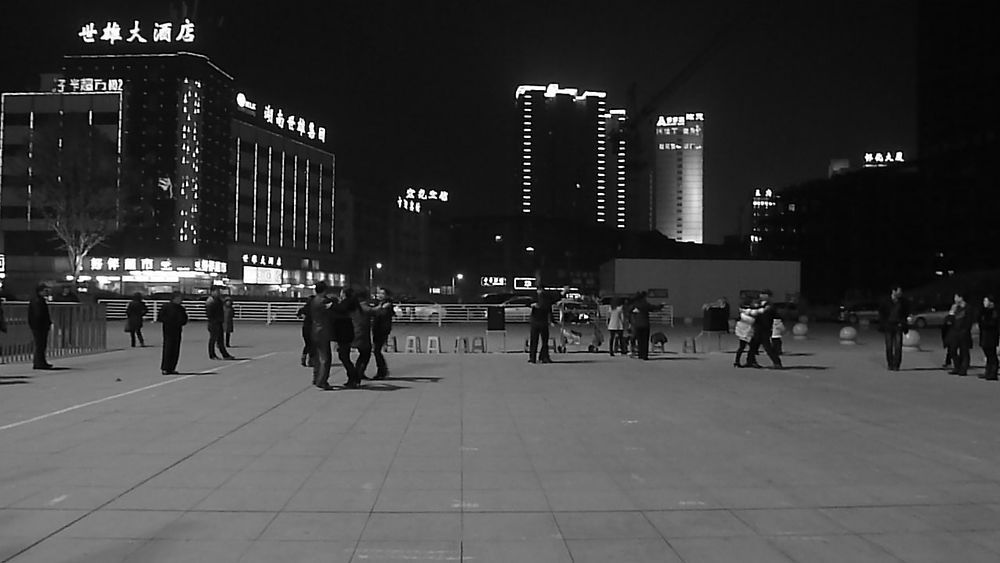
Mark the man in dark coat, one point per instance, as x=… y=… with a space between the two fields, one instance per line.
x=893 y=315
x=307 y=346
x=763 y=323
x=361 y=319
x=989 y=336
x=641 y=308
x=172 y=317
x=216 y=315
x=343 y=334
x=960 y=335
x=540 y=318
x=40 y=323
x=381 y=327
x=134 y=313
x=321 y=334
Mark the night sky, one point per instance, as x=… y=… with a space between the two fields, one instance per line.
x=422 y=93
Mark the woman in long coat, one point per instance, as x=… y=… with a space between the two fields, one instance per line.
x=134 y=313
x=744 y=331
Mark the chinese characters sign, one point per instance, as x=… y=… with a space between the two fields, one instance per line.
x=493 y=281
x=293 y=123
x=159 y=32
x=126 y=265
x=413 y=196
x=88 y=85
x=875 y=160
x=675 y=120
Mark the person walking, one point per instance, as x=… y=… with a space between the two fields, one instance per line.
x=893 y=319
x=228 y=316
x=381 y=327
x=172 y=317
x=361 y=321
x=989 y=336
x=320 y=334
x=216 y=316
x=134 y=313
x=540 y=318
x=744 y=332
x=616 y=326
x=40 y=323
x=343 y=334
x=762 y=328
x=960 y=335
x=640 y=323
x=307 y=345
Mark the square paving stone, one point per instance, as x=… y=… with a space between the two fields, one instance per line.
x=413 y=527
x=524 y=526
x=622 y=551
x=316 y=526
x=605 y=525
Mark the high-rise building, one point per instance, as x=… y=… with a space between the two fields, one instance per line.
x=765 y=206
x=676 y=196
x=569 y=167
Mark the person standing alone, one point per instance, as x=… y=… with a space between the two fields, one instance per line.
x=381 y=327
x=893 y=314
x=989 y=336
x=172 y=317
x=216 y=315
x=960 y=335
x=540 y=317
x=134 y=313
x=616 y=327
x=40 y=323
x=228 y=316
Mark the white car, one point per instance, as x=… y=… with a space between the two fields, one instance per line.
x=409 y=312
x=934 y=316
x=518 y=309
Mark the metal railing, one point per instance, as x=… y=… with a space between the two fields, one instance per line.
x=77 y=328
x=285 y=311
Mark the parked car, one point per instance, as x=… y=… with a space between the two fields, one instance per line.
x=432 y=312
x=929 y=316
x=863 y=311
x=518 y=309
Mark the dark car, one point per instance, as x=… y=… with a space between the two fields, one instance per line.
x=857 y=312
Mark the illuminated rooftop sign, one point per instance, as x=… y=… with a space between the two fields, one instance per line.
x=679 y=120
x=88 y=85
x=159 y=32
x=878 y=160
x=410 y=200
x=553 y=90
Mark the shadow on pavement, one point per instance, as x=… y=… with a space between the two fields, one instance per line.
x=806 y=367
x=673 y=359
x=413 y=379
x=13 y=381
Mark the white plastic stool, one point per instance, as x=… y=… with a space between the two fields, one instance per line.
x=413 y=345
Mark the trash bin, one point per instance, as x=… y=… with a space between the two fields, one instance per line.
x=495 y=319
x=714 y=320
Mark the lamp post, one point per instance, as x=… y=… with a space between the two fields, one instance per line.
x=371 y=276
x=458 y=277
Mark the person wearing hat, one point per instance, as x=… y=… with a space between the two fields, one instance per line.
x=762 y=327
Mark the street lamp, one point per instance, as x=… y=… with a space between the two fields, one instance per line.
x=371 y=276
x=458 y=277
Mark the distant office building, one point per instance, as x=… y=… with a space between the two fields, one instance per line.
x=676 y=197
x=765 y=207
x=569 y=169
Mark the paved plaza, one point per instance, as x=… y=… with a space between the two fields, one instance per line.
x=484 y=457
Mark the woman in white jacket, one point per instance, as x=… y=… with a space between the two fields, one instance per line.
x=616 y=324
x=744 y=331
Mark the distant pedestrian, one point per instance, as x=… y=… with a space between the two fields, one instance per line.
x=40 y=323
x=321 y=333
x=960 y=335
x=381 y=327
x=134 y=313
x=343 y=334
x=616 y=326
x=641 y=308
x=216 y=316
x=172 y=317
x=744 y=332
x=989 y=336
x=228 y=316
x=307 y=345
x=539 y=319
x=763 y=325
x=893 y=314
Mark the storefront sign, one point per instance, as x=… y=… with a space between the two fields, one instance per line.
x=159 y=32
x=261 y=260
x=877 y=160
x=88 y=85
x=525 y=283
x=126 y=265
x=3 y=263
x=493 y=281
x=296 y=124
x=264 y=276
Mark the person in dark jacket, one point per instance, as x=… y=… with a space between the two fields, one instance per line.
x=172 y=317
x=307 y=345
x=540 y=318
x=763 y=324
x=989 y=336
x=343 y=334
x=134 y=313
x=228 y=318
x=216 y=316
x=40 y=323
x=361 y=320
x=893 y=315
x=381 y=327
x=949 y=352
x=960 y=335
x=641 y=308
x=321 y=333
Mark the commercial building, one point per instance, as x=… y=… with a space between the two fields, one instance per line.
x=676 y=198
x=570 y=168
x=240 y=190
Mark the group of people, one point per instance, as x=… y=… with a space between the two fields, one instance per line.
x=351 y=321
x=628 y=325
x=759 y=325
x=172 y=316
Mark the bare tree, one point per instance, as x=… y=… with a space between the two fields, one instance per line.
x=75 y=183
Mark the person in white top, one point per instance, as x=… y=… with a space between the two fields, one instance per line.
x=616 y=324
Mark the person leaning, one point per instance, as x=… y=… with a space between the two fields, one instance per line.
x=540 y=318
x=40 y=323
x=172 y=317
x=960 y=335
x=381 y=327
x=763 y=325
x=989 y=336
x=216 y=316
x=134 y=313
x=893 y=314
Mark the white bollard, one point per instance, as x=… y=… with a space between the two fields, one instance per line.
x=911 y=340
x=848 y=336
x=800 y=330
